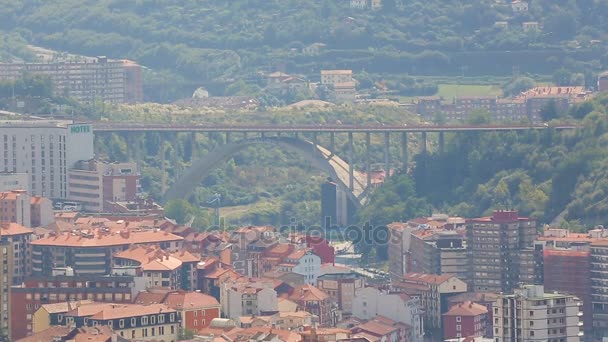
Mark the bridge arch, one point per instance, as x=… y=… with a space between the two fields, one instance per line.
x=318 y=156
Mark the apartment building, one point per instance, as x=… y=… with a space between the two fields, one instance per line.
x=6 y=281
x=247 y=297
x=195 y=308
x=381 y=328
x=341 y=287
x=485 y=299
x=156 y=267
x=14 y=181
x=97 y=184
x=497 y=244
x=303 y=262
x=370 y=302
x=310 y=298
x=466 y=319
x=433 y=292
x=98 y=79
x=36 y=291
x=531 y=314
x=90 y=251
x=438 y=251
x=19 y=238
x=45 y=150
x=19 y=207
x=599 y=287
x=331 y=77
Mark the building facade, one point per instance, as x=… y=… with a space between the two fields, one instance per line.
x=98 y=79
x=599 y=287
x=45 y=150
x=6 y=281
x=531 y=314
x=96 y=184
x=331 y=77
x=496 y=243
x=466 y=319
x=14 y=181
x=19 y=238
x=341 y=287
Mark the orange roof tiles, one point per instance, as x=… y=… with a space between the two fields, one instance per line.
x=377 y=328
x=11 y=228
x=308 y=293
x=182 y=300
x=101 y=239
x=297 y=255
x=424 y=278
x=185 y=256
x=151 y=258
x=467 y=309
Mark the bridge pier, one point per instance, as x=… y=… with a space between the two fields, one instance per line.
x=332 y=141
x=193 y=146
x=228 y=138
x=387 y=155
x=441 y=142
x=351 y=166
x=404 y=154
x=262 y=135
x=423 y=142
x=368 y=158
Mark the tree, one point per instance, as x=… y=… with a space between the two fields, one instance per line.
x=517 y=85
x=562 y=77
x=179 y=210
x=185 y=334
x=549 y=111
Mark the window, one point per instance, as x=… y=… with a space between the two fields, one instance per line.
x=172 y=317
x=458 y=319
x=172 y=329
x=133 y=322
x=121 y=323
x=144 y=332
x=132 y=333
x=531 y=333
x=161 y=318
x=531 y=323
x=458 y=327
x=531 y=313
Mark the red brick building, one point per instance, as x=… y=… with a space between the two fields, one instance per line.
x=196 y=309
x=466 y=319
x=36 y=291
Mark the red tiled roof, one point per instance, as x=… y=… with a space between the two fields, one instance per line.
x=99 y=239
x=11 y=228
x=132 y=310
x=308 y=293
x=151 y=258
x=426 y=278
x=182 y=300
x=467 y=309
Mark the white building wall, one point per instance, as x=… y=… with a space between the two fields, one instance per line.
x=267 y=300
x=14 y=181
x=309 y=266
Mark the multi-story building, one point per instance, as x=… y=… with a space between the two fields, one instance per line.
x=19 y=207
x=531 y=314
x=317 y=302
x=399 y=249
x=496 y=244
x=303 y=262
x=14 y=181
x=6 y=280
x=98 y=79
x=156 y=267
x=370 y=302
x=248 y=297
x=466 y=319
x=381 y=329
x=439 y=252
x=602 y=82
x=341 y=287
x=35 y=291
x=331 y=77
x=45 y=150
x=18 y=237
x=433 y=292
x=599 y=287
x=90 y=251
x=96 y=184
x=485 y=299
x=196 y=309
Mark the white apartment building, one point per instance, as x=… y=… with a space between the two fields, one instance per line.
x=530 y=314
x=14 y=181
x=248 y=299
x=303 y=262
x=370 y=302
x=45 y=150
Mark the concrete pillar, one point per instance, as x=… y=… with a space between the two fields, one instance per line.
x=441 y=142
x=263 y=135
x=423 y=142
x=368 y=161
x=387 y=155
x=227 y=137
x=332 y=142
x=351 y=166
x=193 y=146
x=404 y=151
x=245 y=135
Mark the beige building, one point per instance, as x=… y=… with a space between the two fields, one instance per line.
x=433 y=292
x=18 y=207
x=18 y=238
x=332 y=77
x=399 y=249
x=99 y=79
x=530 y=314
x=14 y=181
x=341 y=287
x=140 y=322
x=6 y=280
x=249 y=298
x=157 y=267
x=94 y=184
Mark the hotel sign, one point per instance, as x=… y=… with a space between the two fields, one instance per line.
x=80 y=129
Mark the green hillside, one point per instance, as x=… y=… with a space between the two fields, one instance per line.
x=215 y=42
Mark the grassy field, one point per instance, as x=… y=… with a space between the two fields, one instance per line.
x=448 y=91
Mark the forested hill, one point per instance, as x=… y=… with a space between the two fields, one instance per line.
x=542 y=174
x=219 y=40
